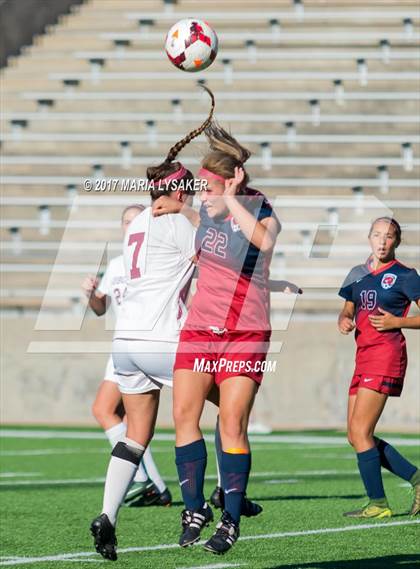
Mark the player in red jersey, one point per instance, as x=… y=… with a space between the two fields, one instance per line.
x=377 y=298
x=158 y=256
x=226 y=335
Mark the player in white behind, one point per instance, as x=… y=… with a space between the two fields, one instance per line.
x=148 y=487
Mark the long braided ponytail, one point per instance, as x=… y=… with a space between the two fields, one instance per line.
x=168 y=166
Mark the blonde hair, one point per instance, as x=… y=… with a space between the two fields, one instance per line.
x=168 y=166
x=138 y=206
x=225 y=153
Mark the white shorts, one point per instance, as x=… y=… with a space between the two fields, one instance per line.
x=142 y=366
x=110 y=374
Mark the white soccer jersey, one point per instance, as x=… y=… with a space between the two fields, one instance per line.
x=114 y=282
x=157 y=257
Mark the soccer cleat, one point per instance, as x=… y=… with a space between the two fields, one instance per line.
x=217 y=498
x=104 y=537
x=249 y=509
x=165 y=498
x=372 y=511
x=415 y=508
x=193 y=523
x=226 y=534
x=141 y=494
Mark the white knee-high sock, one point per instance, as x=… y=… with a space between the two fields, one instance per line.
x=116 y=434
x=124 y=462
x=141 y=474
x=152 y=470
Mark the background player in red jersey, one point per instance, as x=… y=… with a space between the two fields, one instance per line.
x=377 y=298
x=228 y=322
x=148 y=486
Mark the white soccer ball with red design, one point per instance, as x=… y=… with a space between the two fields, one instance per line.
x=191 y=44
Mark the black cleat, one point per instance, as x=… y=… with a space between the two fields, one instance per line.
x=249 y=509
x=226 y=534
x=104 y=537
x=141 y=494
x=165 y=498
x=193 y=523
x=217 y=499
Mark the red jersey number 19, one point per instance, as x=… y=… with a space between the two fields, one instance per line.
x=138 y=239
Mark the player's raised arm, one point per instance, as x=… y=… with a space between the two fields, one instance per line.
x=262 y=234
x=96 y=300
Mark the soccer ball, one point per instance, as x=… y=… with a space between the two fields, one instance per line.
x=191 y=45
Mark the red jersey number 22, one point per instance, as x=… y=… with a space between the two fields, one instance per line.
x=138 y=239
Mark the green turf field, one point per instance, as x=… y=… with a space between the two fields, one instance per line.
x=51 y=488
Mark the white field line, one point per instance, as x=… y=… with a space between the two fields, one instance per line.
x=50 y=451
x=277 y=482
x=329 y=455
x=17 y=474
x=289 y=534
x=52 y=482
x=293 y=439
x=67 y=481
x=105 y=450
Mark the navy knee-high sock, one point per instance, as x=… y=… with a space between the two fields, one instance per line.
x=393 y=461
x=235 y=474
x=369 y=463
x=191 y=461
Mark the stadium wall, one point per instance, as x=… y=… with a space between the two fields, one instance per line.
x=308 y=389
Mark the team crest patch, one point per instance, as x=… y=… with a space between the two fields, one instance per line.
x=235 y=226
x=388 y=280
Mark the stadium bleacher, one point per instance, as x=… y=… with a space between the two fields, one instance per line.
x=326 y=97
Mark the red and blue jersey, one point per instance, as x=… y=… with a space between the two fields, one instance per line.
x=392 y=287
x=232 y=287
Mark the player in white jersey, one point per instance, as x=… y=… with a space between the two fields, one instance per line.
x=148 y=487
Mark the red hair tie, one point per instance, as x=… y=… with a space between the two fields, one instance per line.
x=178 y=175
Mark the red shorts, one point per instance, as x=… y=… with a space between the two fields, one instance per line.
x=229 y=354
x=381 y=383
